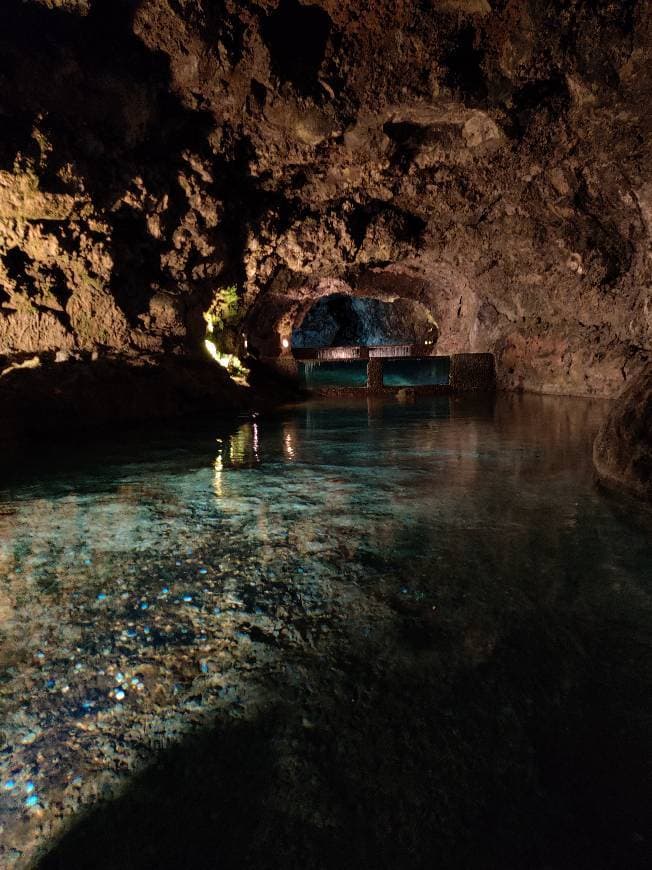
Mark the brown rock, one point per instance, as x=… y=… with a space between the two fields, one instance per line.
x=622 y=452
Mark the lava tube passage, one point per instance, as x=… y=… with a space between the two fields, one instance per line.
x=340 y=333
x=325 y=434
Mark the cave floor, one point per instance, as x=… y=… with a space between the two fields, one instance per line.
x=348 y=634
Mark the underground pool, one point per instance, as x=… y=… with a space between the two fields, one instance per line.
x=344 y=634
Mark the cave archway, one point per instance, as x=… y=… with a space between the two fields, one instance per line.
x=395 y=310
x=346 y=320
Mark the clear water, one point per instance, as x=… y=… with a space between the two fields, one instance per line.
x=396 y=373
x=334 y=374
x=404 y=631
x=416 y=372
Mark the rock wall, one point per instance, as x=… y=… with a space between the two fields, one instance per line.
x=622 y=452
x=470 y=371
x=489 y=159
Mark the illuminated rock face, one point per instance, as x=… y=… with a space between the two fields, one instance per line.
x=490 y=160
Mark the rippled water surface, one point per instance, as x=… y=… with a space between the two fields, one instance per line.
x=349 y=635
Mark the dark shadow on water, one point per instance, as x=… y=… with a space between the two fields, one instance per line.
x=463 y=744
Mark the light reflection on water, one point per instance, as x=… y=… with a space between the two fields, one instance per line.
x=150 y=588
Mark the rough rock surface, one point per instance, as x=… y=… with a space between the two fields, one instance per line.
x=622 y=452
x=111 y=392
x=342 y=320
x=490 y=160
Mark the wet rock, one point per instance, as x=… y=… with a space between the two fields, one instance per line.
x=78 y=395
x=622 y=452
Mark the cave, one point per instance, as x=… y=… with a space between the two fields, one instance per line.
x=325 y=434
x=362 y=342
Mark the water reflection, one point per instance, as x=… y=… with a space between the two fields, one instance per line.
x=289 y=440
x=244 y=446
x=444 y=556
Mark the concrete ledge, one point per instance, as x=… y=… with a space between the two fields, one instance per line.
x=469 y=372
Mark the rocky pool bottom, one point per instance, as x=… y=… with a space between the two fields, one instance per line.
x=346 y=635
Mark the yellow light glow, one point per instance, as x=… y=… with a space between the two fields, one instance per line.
x=218 y=470
x=229 y=361
x=285 y=343
x=222 y=319
x=212 y=349
x=288 y=446
x=256 y=442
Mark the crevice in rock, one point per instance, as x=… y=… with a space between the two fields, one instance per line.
x=16 y=137
x=463 y=63
x=406 y=132
x=17 y=265
x=600 y=238
x=408 y=138
x=60 y=289
x=297 y=36
x=549 y=95
x=403 y=226
x=258 y=94
x=137 y=262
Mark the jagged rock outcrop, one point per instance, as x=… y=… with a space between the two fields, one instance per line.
x=622 y=452
x=111 y=392
x=489 y=159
